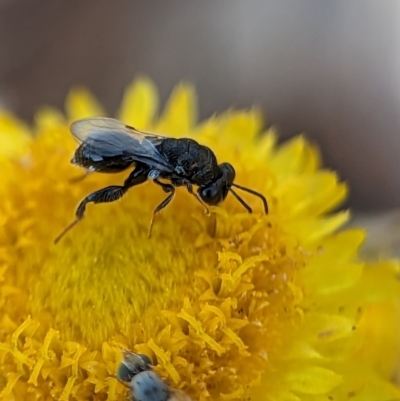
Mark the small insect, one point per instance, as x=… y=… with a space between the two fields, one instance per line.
x=132 y=364
x=109 y=146
x=145 y=385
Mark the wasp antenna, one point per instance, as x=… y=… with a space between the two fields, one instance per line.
x=247 y=207
x=66 y=229
x=250 y=191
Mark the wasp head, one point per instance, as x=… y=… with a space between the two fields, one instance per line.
x=132 y=364
x=216 y=192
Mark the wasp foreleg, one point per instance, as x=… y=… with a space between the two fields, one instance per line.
x=168 y=188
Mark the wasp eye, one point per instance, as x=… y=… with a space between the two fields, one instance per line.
x=124 y=373
x=209 y=193
x=212 y=195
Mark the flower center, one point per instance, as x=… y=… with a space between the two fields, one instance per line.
x=101 y=278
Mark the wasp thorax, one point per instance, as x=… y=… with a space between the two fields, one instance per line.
x=147 y=386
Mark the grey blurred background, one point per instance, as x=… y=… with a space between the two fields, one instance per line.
x=328 y=68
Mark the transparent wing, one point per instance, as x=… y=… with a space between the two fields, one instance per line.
x=108 y=137
x=82 y=128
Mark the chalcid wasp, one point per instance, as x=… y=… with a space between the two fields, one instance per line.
x=109 y=146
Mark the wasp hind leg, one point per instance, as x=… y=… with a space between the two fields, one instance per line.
x=104 y=195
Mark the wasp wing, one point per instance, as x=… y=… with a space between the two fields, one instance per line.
x=107 y=137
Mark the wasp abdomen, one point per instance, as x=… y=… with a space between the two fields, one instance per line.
x=92 y=161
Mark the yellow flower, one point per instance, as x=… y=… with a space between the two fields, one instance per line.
x=275 y=307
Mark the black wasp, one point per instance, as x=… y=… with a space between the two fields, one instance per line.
x=109 y=146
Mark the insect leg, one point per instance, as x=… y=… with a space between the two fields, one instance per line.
x=137 y=176
x=189 y=187
x=169 y=189
x=206 y=210
x=113 y=192
x=108 y=194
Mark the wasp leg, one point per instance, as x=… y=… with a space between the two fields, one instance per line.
x=189 y=187
x=108 y=194
x=168 y=188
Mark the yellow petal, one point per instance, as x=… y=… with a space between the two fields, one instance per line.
x=361 y=383
x=139 y=104
x=386 y=273
x=15 y=136
x=379 y=327
x=81 y=103
x=312 y=194
x=327 y=327
x=333 y=260
x=312 y=380
x=366 y=292
x=242 y=125
x=180 y=113
x=266 y=144
x=294 y=157
x=376 y=389
x=268 y=391
x=302 y=350
x=311 y=230
x=48 y=117
x=312 y=158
